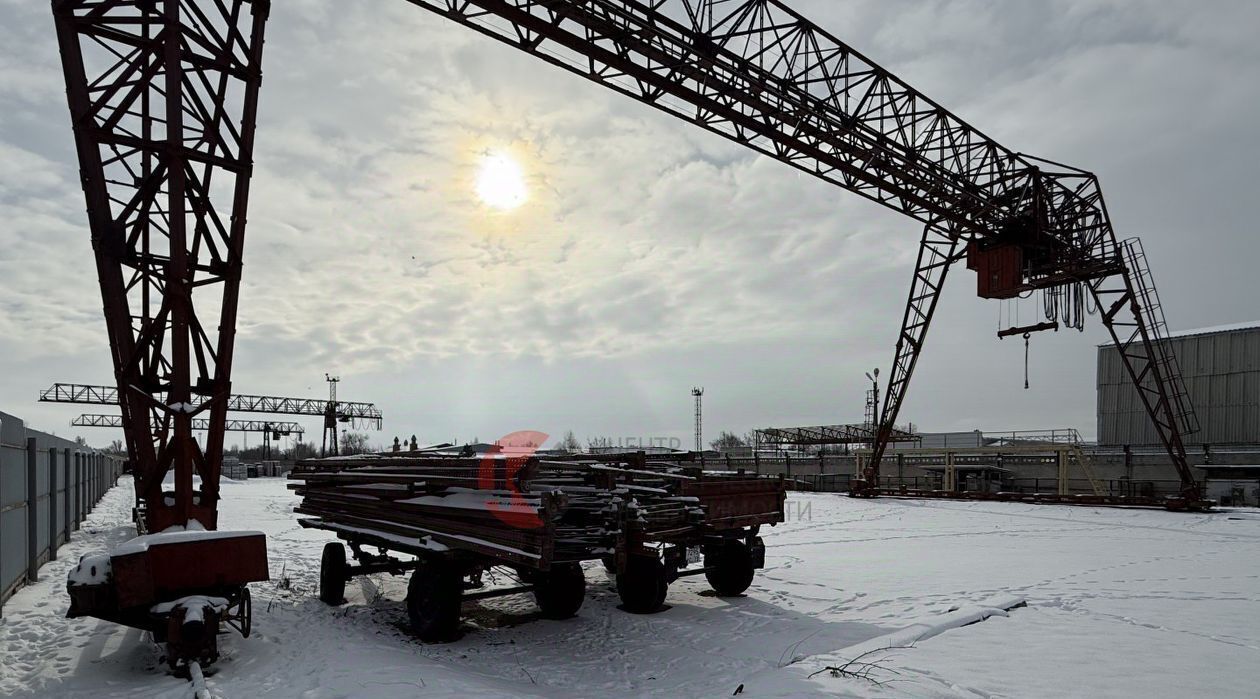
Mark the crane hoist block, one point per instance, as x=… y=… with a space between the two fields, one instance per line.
x=999 y=270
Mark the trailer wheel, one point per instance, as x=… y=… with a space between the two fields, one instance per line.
x=333 y=573
x=729 y=568
x=240 y=615
x=433 y=600
x=560 y=591
x=643 y=585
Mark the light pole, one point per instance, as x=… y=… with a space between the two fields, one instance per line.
x=698 y=393
x=874 y=399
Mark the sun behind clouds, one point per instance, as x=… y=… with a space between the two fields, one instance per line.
x=500 y=182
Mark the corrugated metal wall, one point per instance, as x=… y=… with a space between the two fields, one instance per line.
x=1222 y=375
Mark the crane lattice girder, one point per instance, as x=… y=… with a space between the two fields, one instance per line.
x=274 y=405
x=758 y=73
x=826 y=434
x=282 y=428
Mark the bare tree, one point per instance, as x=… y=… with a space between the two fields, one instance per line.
x=569 y=444
x=750 y=438
x=303 y=450
x=354 y=443
x=727 y=440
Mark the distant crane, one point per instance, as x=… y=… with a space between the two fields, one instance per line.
x=330 y=416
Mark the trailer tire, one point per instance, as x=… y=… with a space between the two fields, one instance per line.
x=434 y=596
x=643 y=585
x=333 y=574
x=729 y=568
x=560 y=591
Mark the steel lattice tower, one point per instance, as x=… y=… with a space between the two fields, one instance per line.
x=699 y=394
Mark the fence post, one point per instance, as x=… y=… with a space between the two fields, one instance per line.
x=1060 y=462
x=69 y=471
x=32 y=510
x=52 y=503
x=78 y=489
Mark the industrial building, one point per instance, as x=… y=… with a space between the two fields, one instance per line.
x=1221 y=370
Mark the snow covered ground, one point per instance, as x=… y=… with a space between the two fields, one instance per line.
x=1121 y=603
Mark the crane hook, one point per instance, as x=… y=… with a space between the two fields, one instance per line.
x=1026 y=343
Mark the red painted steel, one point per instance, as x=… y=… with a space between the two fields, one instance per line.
x=164 y=572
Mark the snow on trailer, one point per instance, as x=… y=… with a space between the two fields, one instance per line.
x=179 y=585
x=459 y=516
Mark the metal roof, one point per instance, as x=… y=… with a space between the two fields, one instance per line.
x=1210 y=330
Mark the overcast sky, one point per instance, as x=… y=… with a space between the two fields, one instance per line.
x=650 y=256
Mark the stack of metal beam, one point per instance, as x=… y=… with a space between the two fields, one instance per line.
x=530 y=511
x=431 y=503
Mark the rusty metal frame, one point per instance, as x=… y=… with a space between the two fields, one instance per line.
x=1132 y=313
x=163 y=97
x=938 y=250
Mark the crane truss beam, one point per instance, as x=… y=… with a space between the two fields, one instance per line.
x=359 y=414
x=824 y=435
x=276 y=428
x=757 y=73
x=760 y=74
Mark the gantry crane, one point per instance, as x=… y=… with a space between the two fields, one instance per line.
x=163 y=96
x=333 y=411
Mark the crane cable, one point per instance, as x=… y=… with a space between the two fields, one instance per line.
x=1067 y=304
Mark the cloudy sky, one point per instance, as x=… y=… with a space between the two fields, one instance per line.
x=649 y=256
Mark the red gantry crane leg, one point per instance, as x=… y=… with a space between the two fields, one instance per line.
x=163 y=96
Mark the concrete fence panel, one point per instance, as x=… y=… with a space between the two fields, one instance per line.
x=47 y=487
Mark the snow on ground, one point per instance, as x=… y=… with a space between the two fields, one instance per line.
x=1119 y=603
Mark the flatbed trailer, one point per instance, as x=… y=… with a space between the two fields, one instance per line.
x=539 y=518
